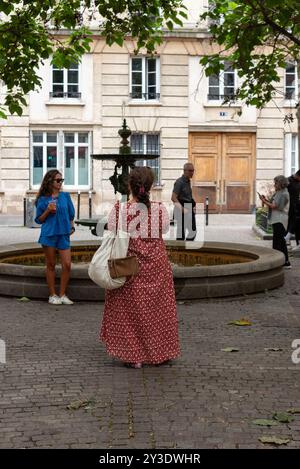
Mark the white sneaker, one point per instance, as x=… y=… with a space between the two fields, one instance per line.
x=54 y=300
x=65 y=300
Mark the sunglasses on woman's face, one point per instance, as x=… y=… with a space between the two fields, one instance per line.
x=59 y=180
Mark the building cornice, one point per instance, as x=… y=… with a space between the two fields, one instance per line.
x=222 y=128
x=182 y=33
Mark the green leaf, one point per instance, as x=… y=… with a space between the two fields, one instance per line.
x=264 y=422
x=241 y=322
x=24 y=299
x=283 y=417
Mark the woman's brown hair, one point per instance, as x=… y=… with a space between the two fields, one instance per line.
x=47 y=184
x=140 y=181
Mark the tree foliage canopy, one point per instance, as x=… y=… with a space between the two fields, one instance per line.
x=29 y=34
x=257 y=37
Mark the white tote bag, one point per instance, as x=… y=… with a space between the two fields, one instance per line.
x=114 y=245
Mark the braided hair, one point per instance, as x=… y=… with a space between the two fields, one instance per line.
x=140 y=181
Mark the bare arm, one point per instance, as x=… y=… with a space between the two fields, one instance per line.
x=267 y=203
x=50 y=209
x=44 y=215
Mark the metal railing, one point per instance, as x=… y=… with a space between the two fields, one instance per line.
x=223 y=97
x=68 y=94
x=145 y=96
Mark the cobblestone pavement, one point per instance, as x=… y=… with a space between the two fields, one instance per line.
x=206 y=399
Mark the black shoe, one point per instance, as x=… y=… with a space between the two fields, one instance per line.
x=287 y=265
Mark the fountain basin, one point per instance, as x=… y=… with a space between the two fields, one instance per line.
x=212 y=270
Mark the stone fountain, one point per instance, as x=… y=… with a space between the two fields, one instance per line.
x=199 y=271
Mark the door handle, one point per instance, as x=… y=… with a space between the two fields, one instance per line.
x=219 y=192
x=224 y=191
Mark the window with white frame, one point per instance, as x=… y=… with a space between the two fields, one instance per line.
x=291 y=154
x=290 y=81
x=76 y=158
x=65 y=82
x=145 y=78
x=223 y=85
x=143 y=143
x=69 y=152
x=44 y=154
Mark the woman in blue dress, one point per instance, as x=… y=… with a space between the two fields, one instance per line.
x=55 y=212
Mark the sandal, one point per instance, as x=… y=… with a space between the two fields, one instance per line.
x=134 y=365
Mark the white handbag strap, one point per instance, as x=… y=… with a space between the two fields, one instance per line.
x=118 y=227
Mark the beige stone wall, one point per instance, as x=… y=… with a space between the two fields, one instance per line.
x=14 y=162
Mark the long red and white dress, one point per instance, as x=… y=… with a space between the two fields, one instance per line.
x=140 y=321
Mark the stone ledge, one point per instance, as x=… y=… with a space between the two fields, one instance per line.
x=262 y=273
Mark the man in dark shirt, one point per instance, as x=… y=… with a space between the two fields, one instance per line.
x=294 y=210
x=184 y=205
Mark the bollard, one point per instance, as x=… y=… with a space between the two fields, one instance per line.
x=206 y=210
x=90 y=204
x=24 y=211
x=78 y=204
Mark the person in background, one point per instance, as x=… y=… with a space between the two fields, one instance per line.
x=140 y=324
x=294 y=210
x=278 y=214
x=184 y=205
x=55 y=212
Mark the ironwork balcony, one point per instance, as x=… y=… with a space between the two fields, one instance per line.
x=149 y=150
x=68 y=94
x=222 y=97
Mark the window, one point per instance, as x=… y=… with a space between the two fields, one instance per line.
x=145 y=78
x=44 y=154
x=291 y=154
x=76 y=158
x=147 y=144
x=69 y=152
x=223 y=85
x=290 y=81
x=65 y=82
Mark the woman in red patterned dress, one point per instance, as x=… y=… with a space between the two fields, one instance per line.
x=140 y=323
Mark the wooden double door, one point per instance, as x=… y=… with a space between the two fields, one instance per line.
x=224 y=170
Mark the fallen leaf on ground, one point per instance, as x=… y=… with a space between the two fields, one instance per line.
x=24 y=299
x=274 y=349
x=274 y=440
x=265 y=422
x=85 y=404
x=241 y=322
x=283 y=417
x=294 y=411
x=230 y=349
